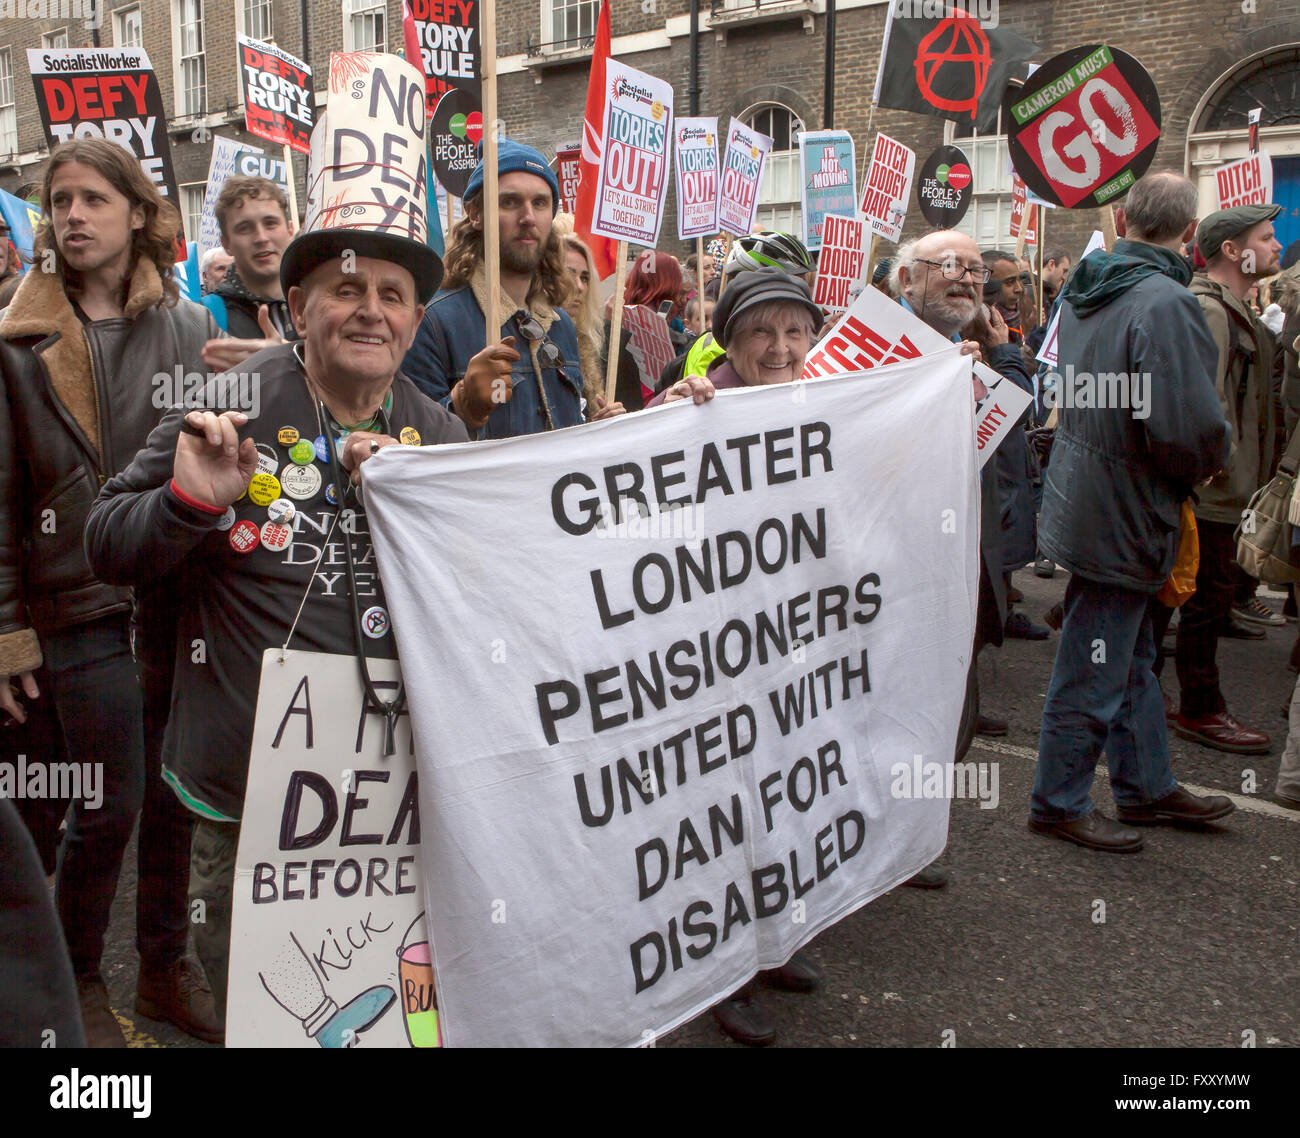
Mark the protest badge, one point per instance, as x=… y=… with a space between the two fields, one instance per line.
x=622 y=824
x=637 y=132
x=1023 y=215
x=889 y=185
x=742 y=175
x=277 y=94
x=877 y=331
x=696 y=162
x=328 y=944
x=1084 y=127
x=568 y=172
x=361 y=148
x=945 y=187
x=839 y=267
x=447 y=32
x=455 y=132
x=650 y=344
x=828 y=174
x=107 y=93
x=1248 y=181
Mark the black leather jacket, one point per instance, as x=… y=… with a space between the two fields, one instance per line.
x=66 y=426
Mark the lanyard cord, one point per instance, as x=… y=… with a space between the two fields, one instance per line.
x=390 y=709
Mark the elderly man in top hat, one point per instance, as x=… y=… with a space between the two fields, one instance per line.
x=239 y=504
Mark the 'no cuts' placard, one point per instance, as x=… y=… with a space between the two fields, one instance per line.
x=634 y=165
x=666 y=762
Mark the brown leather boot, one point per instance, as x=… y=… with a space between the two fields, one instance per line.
x=1223 y=733
x=97 y=1019
x=180 y=995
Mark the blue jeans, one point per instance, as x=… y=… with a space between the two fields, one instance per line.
x=1102 y=696
x=91 y=713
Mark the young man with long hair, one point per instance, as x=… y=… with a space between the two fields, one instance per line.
x=95 y=323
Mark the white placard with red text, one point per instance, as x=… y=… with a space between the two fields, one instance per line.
x=889 y=185
x=637 y=132
x=878 y=331
x=696 y=160
x=1248 y=181
x=568 y=172
x=742 y=175
x=839 y=266
x=1023 y=214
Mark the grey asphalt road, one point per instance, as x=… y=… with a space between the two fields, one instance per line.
x=1198 y=947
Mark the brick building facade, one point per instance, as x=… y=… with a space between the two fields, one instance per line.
x=760 y=60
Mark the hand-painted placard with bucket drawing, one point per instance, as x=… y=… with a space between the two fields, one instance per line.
x=828 y=176
x=696 y=161
x=742 y=176
x=1248 y=181
x=328 y=943
x=637 y=135
x=889 y=185
x=1084 y=127
x=685 y=787
x=839 y=267
x=877 y=331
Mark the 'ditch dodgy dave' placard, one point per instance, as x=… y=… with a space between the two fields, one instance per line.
x=637 y=134
x=328 y=943
x=697 y=778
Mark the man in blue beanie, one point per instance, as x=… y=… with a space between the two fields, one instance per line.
x=530 y=381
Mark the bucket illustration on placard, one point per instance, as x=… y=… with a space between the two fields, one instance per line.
x=417 y=995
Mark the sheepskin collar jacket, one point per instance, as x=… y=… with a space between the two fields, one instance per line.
x=76 y=403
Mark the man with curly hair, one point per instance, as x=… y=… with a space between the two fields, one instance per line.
x=531 y=380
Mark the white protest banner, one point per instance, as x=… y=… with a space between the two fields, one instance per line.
x=889 y=185
x=714 y=760
x=877 y=331
x=742 y=175
x=328 y=944
x=696 y=160
x=277 y=94
x=637 y=132
x=839 y=268
x=651 y=345
x=828 y=177
x=1248 y=181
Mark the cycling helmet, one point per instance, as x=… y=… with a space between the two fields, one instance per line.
x=768 y=250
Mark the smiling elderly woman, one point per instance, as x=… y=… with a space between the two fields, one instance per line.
x=767 y=322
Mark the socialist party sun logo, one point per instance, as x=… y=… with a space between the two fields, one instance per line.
x=957 y=43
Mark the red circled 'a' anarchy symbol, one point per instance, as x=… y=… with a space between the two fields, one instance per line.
x=968 y=46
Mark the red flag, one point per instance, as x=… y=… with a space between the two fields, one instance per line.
x=411 y=41
x=603 y=250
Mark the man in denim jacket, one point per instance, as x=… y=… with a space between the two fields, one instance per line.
x=530 y=381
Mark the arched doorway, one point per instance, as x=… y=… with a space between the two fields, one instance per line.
x=1270 y=80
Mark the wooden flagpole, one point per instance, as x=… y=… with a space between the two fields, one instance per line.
x=491 y=206
x=1108 y=227
x=699 y=277
x=293 y=193
x=616 y=324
